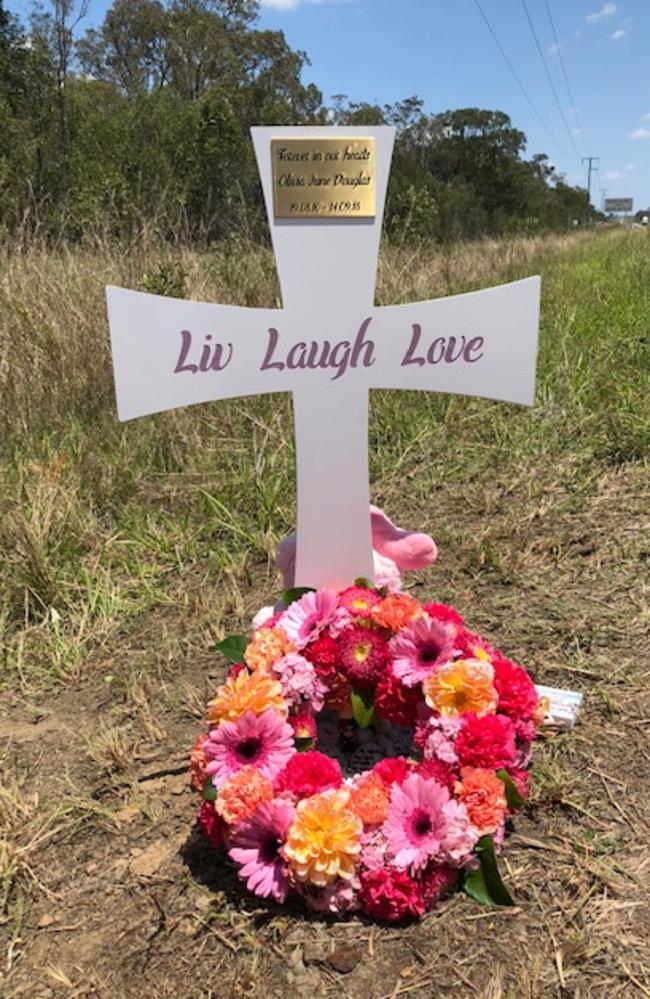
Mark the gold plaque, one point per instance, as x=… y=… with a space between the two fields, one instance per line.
x=323 y=178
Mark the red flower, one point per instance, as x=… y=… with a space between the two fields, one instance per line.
x=212 y=825
x=486 y=742
x=440 y=771
x=517 y=695
x=435 y=882
x=303 y=725
x=392 y=770
x=395 y=702
x=309 y=773
x=364 y=654
x=443 y=612
x=235 y=670
x=323 y=652
x=390 y=895
x=472 y=646
x=325 y=655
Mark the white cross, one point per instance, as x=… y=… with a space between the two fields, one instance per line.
x=328 y=345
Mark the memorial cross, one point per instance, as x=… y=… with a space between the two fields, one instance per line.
x=328 y=345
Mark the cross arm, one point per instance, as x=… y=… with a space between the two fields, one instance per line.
x=482 y=343
x=170 y=352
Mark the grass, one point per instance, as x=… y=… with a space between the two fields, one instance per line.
x=128 y=550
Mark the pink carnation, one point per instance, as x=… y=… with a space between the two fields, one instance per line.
x=444 y=613
x=517 y=695
x=436 y=881
x=396 y=702
x=299 y=681
x=486 y=742
x=309 y=773
x=393 y=770
x=390 y=895
x=212 y=825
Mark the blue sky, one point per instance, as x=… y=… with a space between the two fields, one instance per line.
x=442 y=51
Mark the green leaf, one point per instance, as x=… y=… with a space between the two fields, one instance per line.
x=209 y=792
x=304 y=744
x=363 y=708
x=474 y=885
x=290 y=596
x=233 y=648
x=513 y=797
x=364 y=583
x=485 y=884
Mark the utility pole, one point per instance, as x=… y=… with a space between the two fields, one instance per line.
x=590 y=169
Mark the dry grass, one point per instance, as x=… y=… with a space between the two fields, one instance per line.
x=128 y=550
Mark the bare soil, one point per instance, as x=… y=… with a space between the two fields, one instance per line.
x=116 y=896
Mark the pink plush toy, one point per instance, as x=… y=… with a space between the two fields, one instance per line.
x=393 y=549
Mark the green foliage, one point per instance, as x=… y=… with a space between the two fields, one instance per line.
x=233 y=648
x=485 y=884
x=143 y=124
x=363 y=708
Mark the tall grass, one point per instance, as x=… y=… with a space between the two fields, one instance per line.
x=102 y=521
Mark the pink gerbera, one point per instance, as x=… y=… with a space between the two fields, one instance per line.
x=421 y=648
x=425 y=822
x=308 y=617
x=263 y=741
x=256 y=846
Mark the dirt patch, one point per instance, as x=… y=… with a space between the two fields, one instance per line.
x=115 y=895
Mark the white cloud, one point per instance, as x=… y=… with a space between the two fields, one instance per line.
x=613 y=175
x=630 y=166
x=640 y=133
x=556 y=49
x=607 y=10
x=617 y=35
x=646 y=116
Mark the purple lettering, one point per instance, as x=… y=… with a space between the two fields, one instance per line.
x=366 y=345
x=415 y=339
x=439 y=342
x=475 y=344
x=186 y=338
x=297 y=356
x=450 y=357
x=341 y=364
x=267 y=363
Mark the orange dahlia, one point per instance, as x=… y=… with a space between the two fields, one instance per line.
x=242 y=794
x=324 y=838
x=462 y=686
x=254 y=692
x=483 y=795
x=267 y=646
x=396 y=611
x=370 y=799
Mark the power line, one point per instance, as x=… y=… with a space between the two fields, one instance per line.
x=517 y=78
x=558 y=49
x=549 y=77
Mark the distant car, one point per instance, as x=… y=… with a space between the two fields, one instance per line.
x=645 y=220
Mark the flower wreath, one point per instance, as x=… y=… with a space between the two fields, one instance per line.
x=424 y=735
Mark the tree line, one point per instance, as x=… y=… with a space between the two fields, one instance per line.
x=143 y=122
